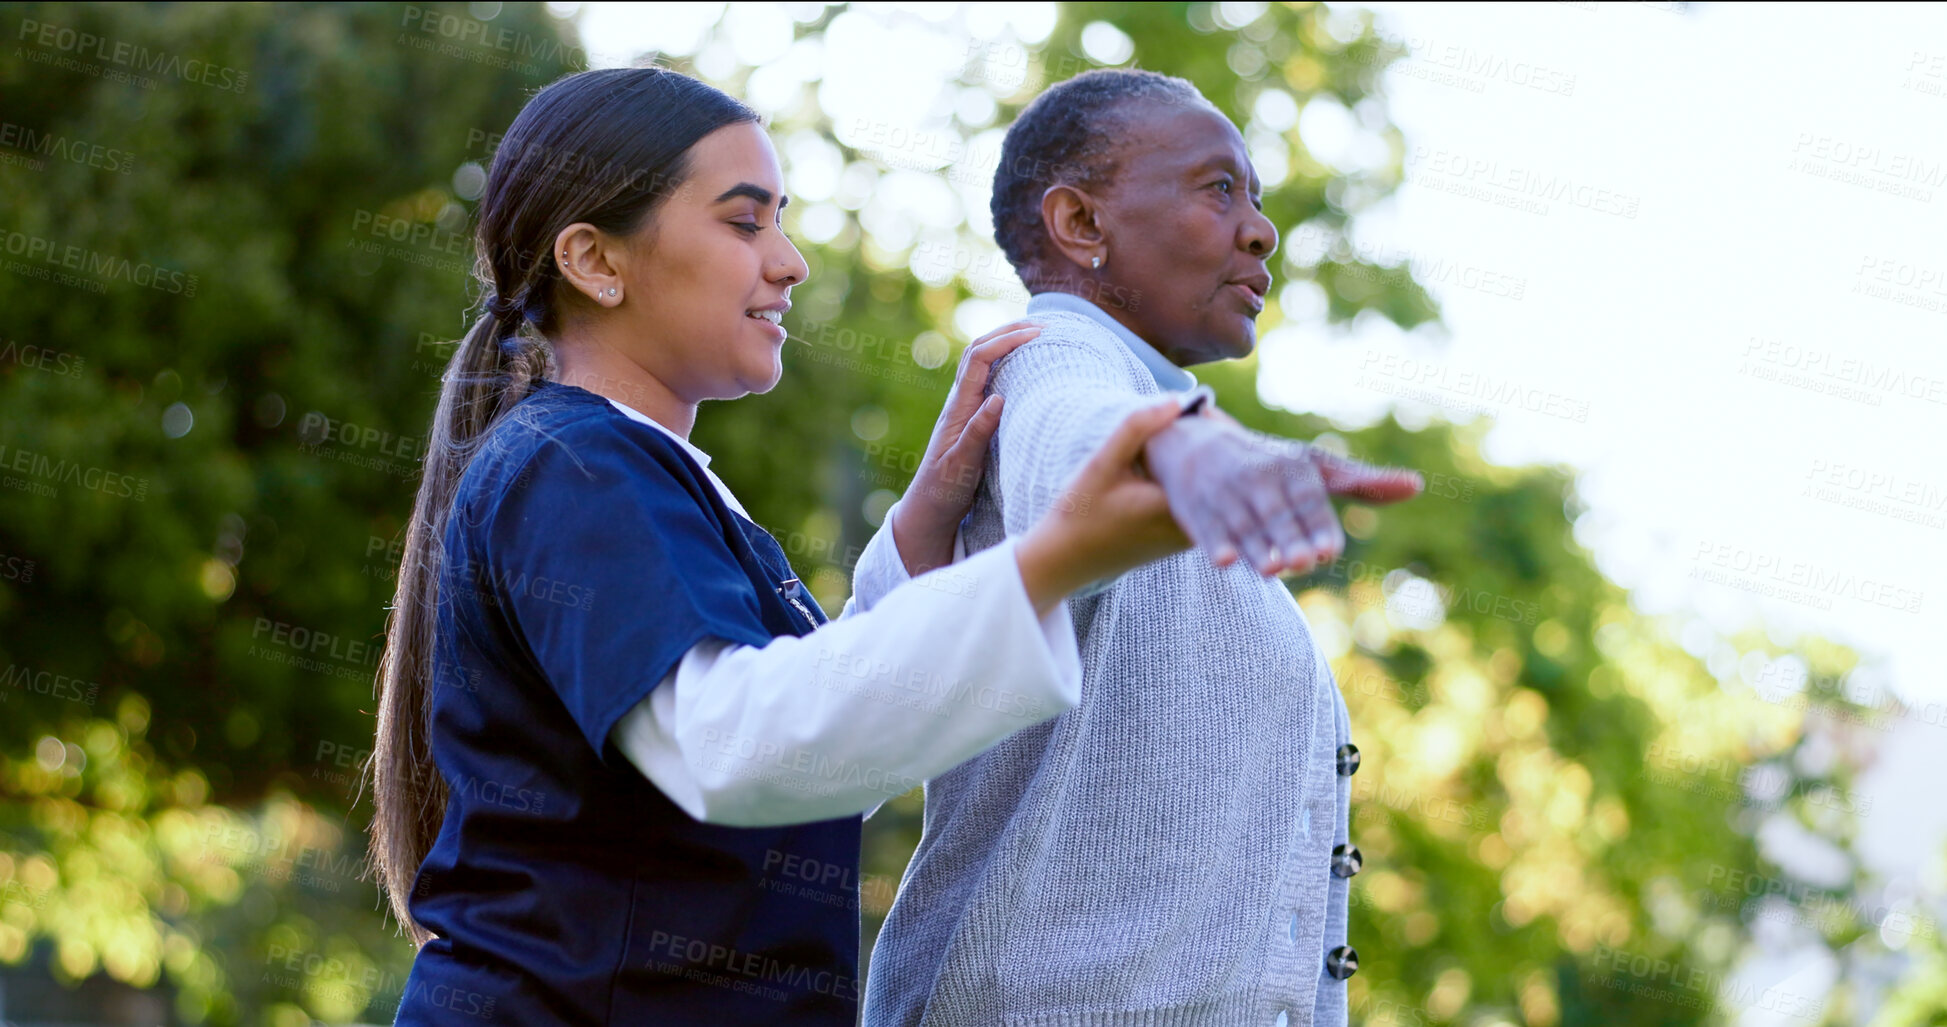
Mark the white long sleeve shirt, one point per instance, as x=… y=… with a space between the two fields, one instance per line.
x=916 y=676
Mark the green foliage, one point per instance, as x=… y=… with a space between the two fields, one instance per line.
x=233 y=576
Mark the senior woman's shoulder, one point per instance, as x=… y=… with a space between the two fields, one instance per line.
x=1074 y=346
x=1067 y=325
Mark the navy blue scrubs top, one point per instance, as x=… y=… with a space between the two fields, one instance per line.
x=586 y=553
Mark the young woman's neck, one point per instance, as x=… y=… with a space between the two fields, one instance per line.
x=603 y=370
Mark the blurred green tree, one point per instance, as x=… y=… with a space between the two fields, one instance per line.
x=251 y=295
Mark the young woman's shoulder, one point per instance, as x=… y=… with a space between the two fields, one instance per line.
x=564 y=437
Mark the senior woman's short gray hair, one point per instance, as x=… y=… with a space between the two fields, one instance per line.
x=1069 y=136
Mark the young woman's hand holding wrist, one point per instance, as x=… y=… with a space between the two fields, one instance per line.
x=1110 y=519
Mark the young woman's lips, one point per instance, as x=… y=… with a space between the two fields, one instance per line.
x=773 y=329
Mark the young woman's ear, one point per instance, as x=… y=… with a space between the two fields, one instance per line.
x=591 y=262
x=1074 y=227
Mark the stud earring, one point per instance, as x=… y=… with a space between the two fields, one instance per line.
x=1095 y=261
x=611 y=292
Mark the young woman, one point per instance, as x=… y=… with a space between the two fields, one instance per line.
x=621 y=754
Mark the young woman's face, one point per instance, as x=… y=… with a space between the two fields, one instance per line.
x=1187 y=244
x=710 y=277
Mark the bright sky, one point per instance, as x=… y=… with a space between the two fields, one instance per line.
x=1770 y=321
x=1696 y=257
x=1788 y=181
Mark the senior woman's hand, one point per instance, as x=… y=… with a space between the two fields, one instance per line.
x=926 y=517
x=1239 y=492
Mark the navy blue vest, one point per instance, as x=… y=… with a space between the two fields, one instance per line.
x=586 y=553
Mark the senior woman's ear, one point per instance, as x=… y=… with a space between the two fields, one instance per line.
x=1073 y=220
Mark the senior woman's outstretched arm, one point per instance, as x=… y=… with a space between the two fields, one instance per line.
x=1237 y=493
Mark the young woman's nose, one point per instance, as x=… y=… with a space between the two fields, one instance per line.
x=788 y=266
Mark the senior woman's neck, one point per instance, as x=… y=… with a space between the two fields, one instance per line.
x=1165 y=363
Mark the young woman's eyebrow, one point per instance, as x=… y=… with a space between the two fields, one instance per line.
x=762 y=195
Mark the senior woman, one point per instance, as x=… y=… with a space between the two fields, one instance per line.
x=1175 y=850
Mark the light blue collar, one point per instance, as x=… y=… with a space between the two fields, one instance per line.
x=1169 y=377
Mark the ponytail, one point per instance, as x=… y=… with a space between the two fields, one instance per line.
x=492 y=370
x=599 y=147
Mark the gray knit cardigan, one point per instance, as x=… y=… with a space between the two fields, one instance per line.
x=1161 y=855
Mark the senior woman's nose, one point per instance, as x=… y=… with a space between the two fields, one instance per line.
x=1258 y=235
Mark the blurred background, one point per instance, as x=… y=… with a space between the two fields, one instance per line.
x=1647 y=682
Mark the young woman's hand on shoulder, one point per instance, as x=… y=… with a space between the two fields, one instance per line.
x=943 y=488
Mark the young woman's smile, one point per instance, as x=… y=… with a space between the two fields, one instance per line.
x=770 y=319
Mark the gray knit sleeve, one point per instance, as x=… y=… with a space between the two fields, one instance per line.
x=1064 y=398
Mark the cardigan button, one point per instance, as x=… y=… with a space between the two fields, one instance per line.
x=1348 y=760
x=1342 y=962
x=1282 y=1020
x=1346 y=860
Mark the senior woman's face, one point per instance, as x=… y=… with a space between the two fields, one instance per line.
x=1187 y=244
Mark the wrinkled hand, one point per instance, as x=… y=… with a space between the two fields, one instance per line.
x=1236 y=491
x=942 y=491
